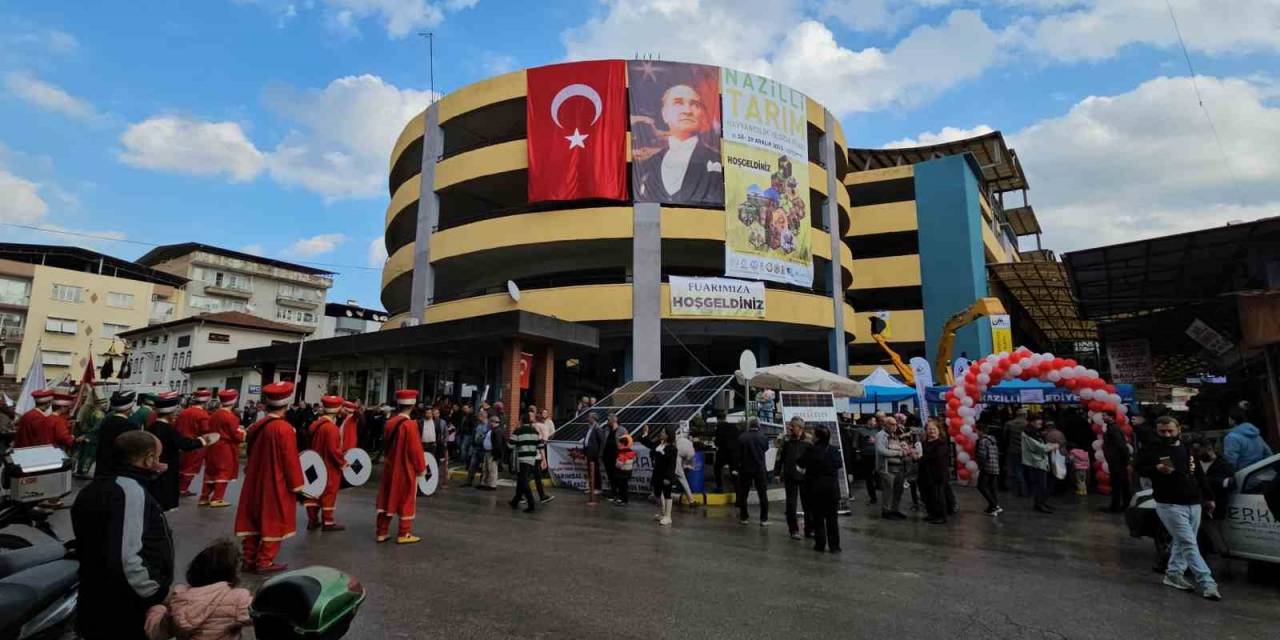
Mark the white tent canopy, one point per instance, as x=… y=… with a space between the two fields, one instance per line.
x=881 y=378
x=799 y=376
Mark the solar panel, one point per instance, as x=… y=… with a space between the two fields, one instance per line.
x=702 y=391
x=663 y=392
x=639 y=402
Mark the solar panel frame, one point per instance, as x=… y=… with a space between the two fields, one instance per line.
x=642 y=402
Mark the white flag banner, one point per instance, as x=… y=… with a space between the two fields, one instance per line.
x=33 y=381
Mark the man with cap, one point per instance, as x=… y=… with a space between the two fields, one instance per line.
x=116 y=423
x=326 y=440
x=193 y=422
x=404 y=463
x=57 y=425
x=165 y=487
x=222 y=458
x=268 y=509
x=350 y=426
x=29 y=430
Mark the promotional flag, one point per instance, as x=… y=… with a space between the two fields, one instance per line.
x=675 y=133
x=33 y=381
x=577 y=131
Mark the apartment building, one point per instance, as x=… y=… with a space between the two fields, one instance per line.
x=69 y=303
x=348 y=319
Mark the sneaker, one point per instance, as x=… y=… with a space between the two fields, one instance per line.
x=897 y=515
x=665 y=522
x=744 y=522
x=1211 y=593
x=796 y=536
x=989 y=511
x=999 y=510
x=1178 y=582
x=764 y=523
x=546 y=499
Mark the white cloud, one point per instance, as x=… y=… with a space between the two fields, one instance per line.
x=1100 y=28
x=48 y=96
x=315 y=245
x=496 y=64
x=343 y=136
x=253 y=249
x=876 y=15
x=793 y=49
x=1144 y=163
x=377 y=252
x=947 y=134
x=180 y=144
x=20 y=200
x=32 y=39
x=398 y=17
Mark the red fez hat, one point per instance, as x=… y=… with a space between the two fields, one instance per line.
x=406 y=396
x=202 y=394
x=277 y=394
x=63 y=399
x=349 y=405
x=42 y=395
x=331 y=404
x=166 y=402
x=228 y=396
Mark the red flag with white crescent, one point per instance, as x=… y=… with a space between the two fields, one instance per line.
x=577 y=131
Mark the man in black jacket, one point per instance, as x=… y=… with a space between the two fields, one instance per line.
x=726 y=441
x=752 y=446
x=791 y=448
x=116 y=423
x=1179 y=488
x=1115 y=449
x=125 y=546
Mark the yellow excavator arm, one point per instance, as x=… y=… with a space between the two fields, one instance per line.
x=877 y=328
x=981 y=307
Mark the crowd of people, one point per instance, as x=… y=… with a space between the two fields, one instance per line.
x=145 y=450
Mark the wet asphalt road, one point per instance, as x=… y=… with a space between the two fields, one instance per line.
x=568 y=570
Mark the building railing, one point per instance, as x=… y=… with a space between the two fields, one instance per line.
x=12 y=334
x=18 y=301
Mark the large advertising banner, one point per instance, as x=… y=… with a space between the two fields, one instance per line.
x=766 y=180
x=675 y=133
x=567 y=462
x=716 y=298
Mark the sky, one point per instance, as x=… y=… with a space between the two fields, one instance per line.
x=266 y=125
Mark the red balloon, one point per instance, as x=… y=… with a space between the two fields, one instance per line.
x=970 y=447
x=1071 y=363
x=1070 y=383
x=1111 y=388
x=963 y=473
x=960 y=439
x=953 y=402
x=970 y=378
x=1104 y=477
x=1097 y=428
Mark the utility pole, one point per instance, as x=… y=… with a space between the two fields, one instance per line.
x=431 y=60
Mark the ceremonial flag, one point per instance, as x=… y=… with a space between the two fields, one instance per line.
x=577 y=131
x=34 y=380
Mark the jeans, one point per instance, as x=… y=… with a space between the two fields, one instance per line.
x=745 y=480
x=464 y=449
x=987 y=487
x=1037 y=484
x=1182 y=521
x=1017 y=481
x=477 y=463
x=891 y=483
x=796 y=497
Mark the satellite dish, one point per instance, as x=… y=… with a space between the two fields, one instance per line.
x=747 y=364
x=513 y=290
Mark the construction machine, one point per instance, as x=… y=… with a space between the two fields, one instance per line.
x=942 y=363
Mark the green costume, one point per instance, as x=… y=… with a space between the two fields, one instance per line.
x=87 y=450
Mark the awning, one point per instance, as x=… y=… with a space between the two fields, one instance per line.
x=1042 y=289
x=799 y=376
x=1000 y=167
x=1023 y=221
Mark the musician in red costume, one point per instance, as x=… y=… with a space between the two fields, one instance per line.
x=29 y=430
x=57 y=425
x=222 y=458
x=404 y=461
x=327 y=441
x=193 y=422
x=268 y=508
x=350 y=425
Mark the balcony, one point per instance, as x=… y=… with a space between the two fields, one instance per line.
x=229 y=292
x=14 y=300
x=12 y=334
x=297 y=301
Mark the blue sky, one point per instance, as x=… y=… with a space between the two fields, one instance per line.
x=265 y=125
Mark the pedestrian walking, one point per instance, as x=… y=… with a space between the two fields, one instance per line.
x=665 y=459
x=726 y=443
x=821 y=465
x=688 y=458
x=791 y=448
x=933 y=472
x=891 y=458
x=167 y=486
x=116 y=423
x=1013 y=430
x=988 y=452
x=752 y=471
x=1243 y=445
x=609 y=456
x=594 y=448
x=495 y=451
x=404 y=462
x=524 y=443
x=1180 y=490
x=125 y=545
x=1035 y=466
x=479 y=435
x=1115 y=450
x=1079 y=458
x=626 y=464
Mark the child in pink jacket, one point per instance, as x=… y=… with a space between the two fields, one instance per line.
x=209 y=606
x=1080 y=465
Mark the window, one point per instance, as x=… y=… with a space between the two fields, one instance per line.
x=296 y=315
x=220 y=337
x=14 y=291
x=60 y=325
x=208 y=303
x=184 y=341
x=9 y=355
x=120 y=300
x=224 y=279
x=56 y=358
x=299 y=293
x=161 y=310
x=111 y=330
x=68 y=293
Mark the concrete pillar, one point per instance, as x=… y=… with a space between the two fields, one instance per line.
x=510 y=394
x=838 y=345
x=544 y=377
x=423 y=285
x=646 y=292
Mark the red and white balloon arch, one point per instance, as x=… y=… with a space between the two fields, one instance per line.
x=1099 y=397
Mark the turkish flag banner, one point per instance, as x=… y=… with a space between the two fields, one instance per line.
x=577 y=130
x=526 y=367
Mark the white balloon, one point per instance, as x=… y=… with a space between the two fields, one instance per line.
x=1097 y=445
x=1002 y=355
x=1068 y=373
x=1097 y=419
x=985 y=367
x=1106 y=468
x=1115 y=399
x=966 y=401
x=1123 y=409
x=958 y=391
x=1080 y=371
x=963 y=457
x=984 y=379
x=965 y=412
x=966 y=430
x=1054 y=376
x=971 y=466
x=1085 y=393
x=1048 y=356
x=1015 y=370
x=1090 y=373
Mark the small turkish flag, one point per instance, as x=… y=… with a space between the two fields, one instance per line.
x=577 y=131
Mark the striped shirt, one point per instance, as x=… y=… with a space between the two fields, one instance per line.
x=525 y=442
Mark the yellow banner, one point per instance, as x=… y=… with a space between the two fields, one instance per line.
x=1001 y=334
x=767 y=235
